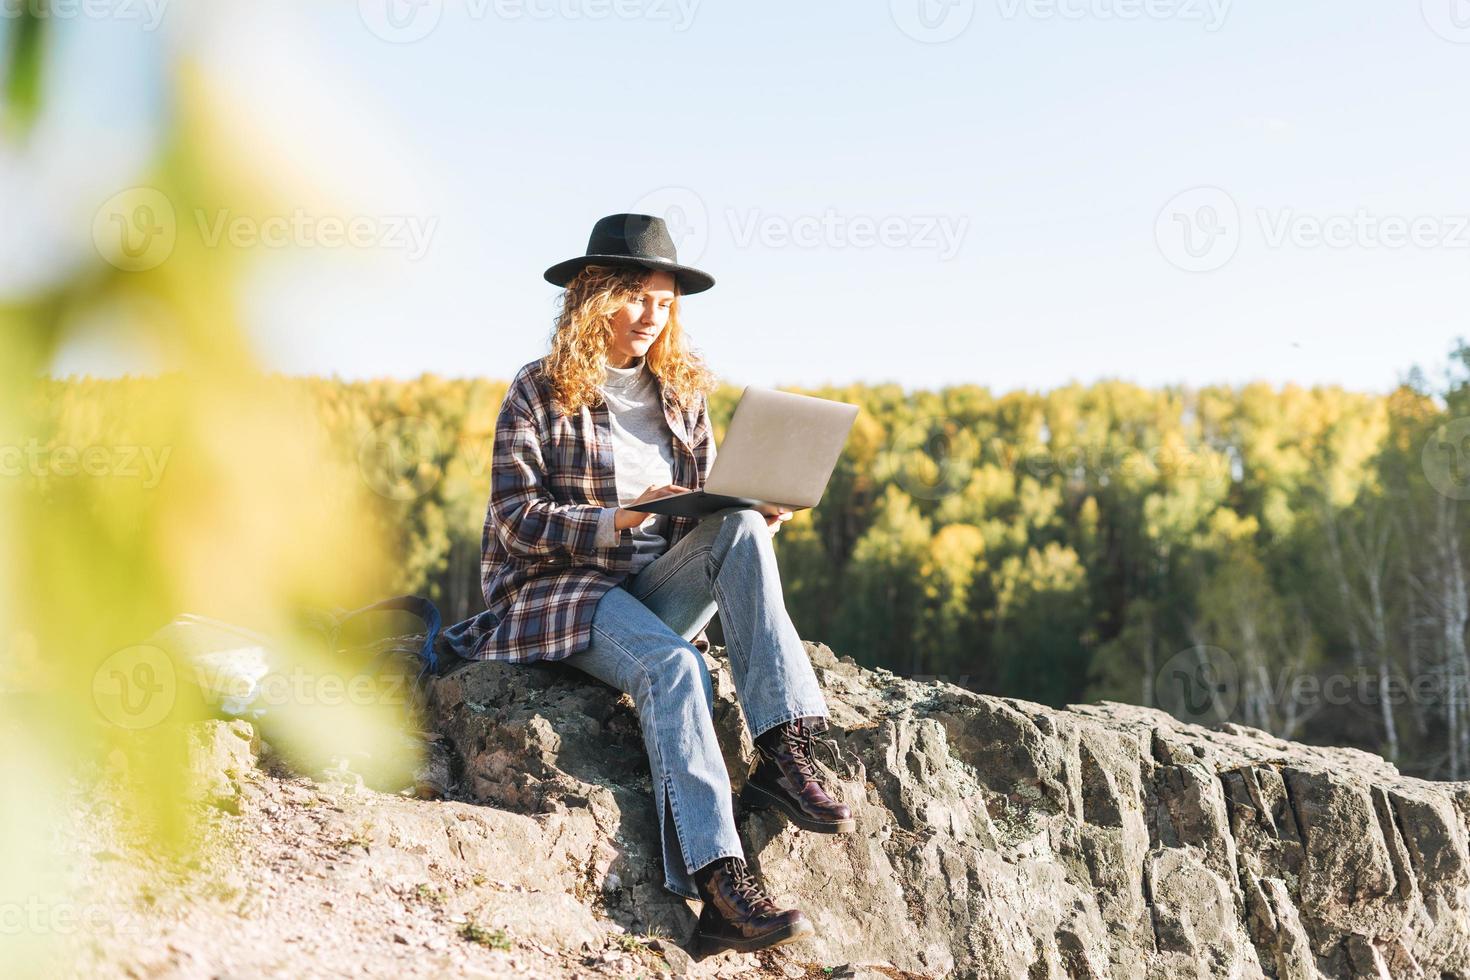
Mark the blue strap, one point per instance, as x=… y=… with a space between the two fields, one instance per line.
x=422 y=608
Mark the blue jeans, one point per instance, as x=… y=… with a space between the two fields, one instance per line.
x=641 y=635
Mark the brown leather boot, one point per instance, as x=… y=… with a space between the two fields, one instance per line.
x=785 y=776
x=737 y=912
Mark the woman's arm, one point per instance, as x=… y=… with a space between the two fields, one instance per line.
x=704 y=431
x=527 y=519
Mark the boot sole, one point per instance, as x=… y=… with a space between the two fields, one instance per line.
x=755 y=796
x=786 y=934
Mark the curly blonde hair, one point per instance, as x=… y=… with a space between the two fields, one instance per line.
x=582 y=337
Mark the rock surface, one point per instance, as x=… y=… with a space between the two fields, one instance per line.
x=997 y=837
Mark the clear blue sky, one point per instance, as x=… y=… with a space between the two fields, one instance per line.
x=1045 y=140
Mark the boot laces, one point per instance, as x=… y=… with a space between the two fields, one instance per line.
x=743 y=883
x=804 y=747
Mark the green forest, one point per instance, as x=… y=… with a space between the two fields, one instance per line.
x=1290 y=559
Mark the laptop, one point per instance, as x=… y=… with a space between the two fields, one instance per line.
x=779 y=452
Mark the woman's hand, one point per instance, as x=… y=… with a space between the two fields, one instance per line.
x=774 y=521
x=632 y=518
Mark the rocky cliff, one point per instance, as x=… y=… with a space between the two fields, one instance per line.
x=997 y=838
x=1003 y=838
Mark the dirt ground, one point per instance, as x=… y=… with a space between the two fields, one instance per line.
x=297 y=877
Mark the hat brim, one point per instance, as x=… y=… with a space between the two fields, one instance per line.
x=690 y=280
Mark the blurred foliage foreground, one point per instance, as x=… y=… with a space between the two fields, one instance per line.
x=216 y=492
x=125 y=505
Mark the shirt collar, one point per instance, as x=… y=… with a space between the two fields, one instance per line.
x=626 y=377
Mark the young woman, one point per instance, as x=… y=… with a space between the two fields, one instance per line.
x=617 y=413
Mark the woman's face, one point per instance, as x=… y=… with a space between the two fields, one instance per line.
x=639 y=321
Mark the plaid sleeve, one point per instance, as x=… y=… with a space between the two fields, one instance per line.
x=526 y=518
x=703 y=441
x=607 y=531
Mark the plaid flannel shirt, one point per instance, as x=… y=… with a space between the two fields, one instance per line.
x=542 y=568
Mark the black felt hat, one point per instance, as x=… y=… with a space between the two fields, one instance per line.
x=632 y=239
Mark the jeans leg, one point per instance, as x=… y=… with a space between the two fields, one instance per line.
x=729 y=561
x=635 y=651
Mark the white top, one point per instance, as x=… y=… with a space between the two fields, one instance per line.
x=643 y=454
